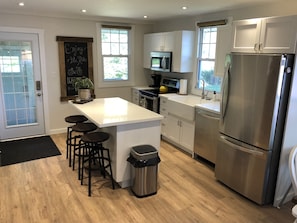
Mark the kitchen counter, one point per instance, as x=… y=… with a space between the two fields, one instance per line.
x=128 y=125
x=106 y=112
x=213 y=106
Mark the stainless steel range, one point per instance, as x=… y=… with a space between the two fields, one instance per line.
x=149 y=98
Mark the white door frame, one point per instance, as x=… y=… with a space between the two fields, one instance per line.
x=40 y=34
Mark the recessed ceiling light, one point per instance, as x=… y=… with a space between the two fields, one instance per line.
x=84 y=10
x=21 y=3
x=184 y=8
x=145 y=16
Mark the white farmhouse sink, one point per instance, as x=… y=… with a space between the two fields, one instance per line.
x=181 y=110
x=183 y=106
x=190 y=100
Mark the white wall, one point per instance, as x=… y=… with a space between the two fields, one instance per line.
x=80 y=28
x=280 y=8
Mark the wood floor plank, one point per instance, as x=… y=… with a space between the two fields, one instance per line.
x=47 y=190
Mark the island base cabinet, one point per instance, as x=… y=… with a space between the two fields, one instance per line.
x=122 y=139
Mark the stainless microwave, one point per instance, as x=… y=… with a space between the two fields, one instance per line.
x=161 y=61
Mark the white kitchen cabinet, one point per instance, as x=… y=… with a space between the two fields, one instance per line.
x=164 y=112
x=135 y=96
x=265 y=35
x=223 y=47
x=181 y=132
x=156 y=42
x=180 y=43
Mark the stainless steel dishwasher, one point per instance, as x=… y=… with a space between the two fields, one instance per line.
x=206 y=134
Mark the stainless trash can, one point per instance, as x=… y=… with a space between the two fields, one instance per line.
x=144 y=160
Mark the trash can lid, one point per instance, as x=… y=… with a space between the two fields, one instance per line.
x=144 y=152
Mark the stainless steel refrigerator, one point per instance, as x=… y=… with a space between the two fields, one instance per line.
x=255 y=94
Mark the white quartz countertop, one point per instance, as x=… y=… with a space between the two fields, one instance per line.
x=107 y=112
x=213 y=106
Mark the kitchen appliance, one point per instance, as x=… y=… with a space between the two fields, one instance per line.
x=206 y=134
x=156 y=80
x=255 y=94
x=149 y=98
x=183 y=86
x=161 y=61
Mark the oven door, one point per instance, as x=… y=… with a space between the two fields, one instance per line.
x=149 y=102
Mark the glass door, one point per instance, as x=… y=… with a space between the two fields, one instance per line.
x=21 y=112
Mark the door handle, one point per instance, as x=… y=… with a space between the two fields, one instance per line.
x=38 y=85
x=38 y=94
x=225 y=91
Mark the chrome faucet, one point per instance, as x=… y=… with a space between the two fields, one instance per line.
x=203 y=95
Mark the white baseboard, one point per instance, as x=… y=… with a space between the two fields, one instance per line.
x=57 y=131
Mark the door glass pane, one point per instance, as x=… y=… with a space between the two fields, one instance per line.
x=18 y=90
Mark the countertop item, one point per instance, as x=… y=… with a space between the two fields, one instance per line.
x=115 y=111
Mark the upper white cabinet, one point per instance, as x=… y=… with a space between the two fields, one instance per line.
x=180 y=43
x=266 y=35
x=223 y=47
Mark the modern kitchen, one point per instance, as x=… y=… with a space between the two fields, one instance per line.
x=214 y=91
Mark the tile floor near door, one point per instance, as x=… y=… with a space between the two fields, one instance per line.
x=47 y=190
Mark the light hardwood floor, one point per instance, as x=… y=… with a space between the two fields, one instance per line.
x=47 y=190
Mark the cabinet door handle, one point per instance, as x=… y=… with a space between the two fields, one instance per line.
x=261 y=46
x=256 y=47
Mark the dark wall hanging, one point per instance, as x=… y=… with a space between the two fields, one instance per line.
x=75 y=60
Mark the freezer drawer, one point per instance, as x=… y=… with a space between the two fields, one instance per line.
x=244 y=169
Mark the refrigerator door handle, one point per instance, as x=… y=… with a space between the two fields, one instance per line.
x=225 y=91
x=242 y=146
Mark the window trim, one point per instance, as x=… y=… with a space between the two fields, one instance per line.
x=100 y=78
x=198 y=91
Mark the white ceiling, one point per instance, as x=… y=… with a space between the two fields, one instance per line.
x=129 y=9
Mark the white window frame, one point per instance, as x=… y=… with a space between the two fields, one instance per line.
x=195 y=90
x=115 y=83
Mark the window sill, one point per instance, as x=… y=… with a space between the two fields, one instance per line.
x=107 y=84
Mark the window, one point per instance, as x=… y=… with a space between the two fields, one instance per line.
x=115 y=53
x=206 y=60
x=9 y=64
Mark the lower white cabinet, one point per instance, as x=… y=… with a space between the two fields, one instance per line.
x=180 y=132
x=176 y=129
x=135 y=96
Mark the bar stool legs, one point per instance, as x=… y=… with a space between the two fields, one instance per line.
x=92 y=149
x=105 y=159
x=72 y=119
x=81 y=129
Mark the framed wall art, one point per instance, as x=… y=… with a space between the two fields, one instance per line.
x=75 y=60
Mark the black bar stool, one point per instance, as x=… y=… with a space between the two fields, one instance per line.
x=92 y=147
x=79 y=129
x=73 y=120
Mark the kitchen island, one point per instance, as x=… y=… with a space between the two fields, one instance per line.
x=128 y=125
